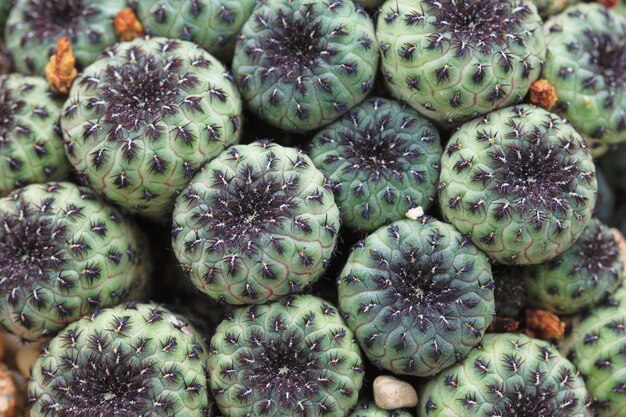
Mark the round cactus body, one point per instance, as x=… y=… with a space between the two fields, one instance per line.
x=579 y=278
x=598 y=351
x=521 y=182
x=382 y=160
x=510 y=290
x=293 y=357
x=368 y=408
x=301 y=64
x=31 y=145
x=63 y=254
x=455 y=60
x=417 y=295
x=508 y=375
x=586 y=64
x=130 y=360
x=140 y=122
x=34 y=26
x=257 y=224
x=213 y=24
x=547 y=8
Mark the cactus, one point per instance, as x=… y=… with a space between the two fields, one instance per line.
x=417 y=295
x=521 y=182
x=141 y=121
x=64 y=254
x=257 y=224
x=382 y=160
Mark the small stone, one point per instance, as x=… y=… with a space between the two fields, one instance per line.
x=415 y=213
x=543 y=94
x=544 y=325
x=26 y=357
x=391 y=393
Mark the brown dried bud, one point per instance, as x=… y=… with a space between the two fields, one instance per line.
x=9 y=395
x=127 y=26
x=544 y=325
x=543 y=94
x=61 y=69
x=609 y=3
x=503 y=325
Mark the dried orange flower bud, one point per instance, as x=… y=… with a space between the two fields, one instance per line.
x=61 y=69
x=9 y=396
x=127 y=26
x=609 y=3
x=544 y=325
x=543 y=94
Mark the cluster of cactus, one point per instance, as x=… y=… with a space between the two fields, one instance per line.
x=304 y=218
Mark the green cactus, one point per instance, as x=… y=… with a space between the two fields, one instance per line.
x=301 y=64
x=586 y=64
x=382 y=159
x=130 y=360
x=547 y=8
x=31 y=144
x=257 y=224
x=597 y=349
x=521 y=182
x=509 y=375
x=34 y=26
x=291 y=357
x=510 y=290
x=140 y=122
x=63 y=254
x=417 y=295
x=455 y=60
x=579 y=278
x=213 y=24
x=367 y=408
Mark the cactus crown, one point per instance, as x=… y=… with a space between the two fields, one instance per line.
x=30 y=247
x=293 y=44
x=278 y=369
x=255 y=202
x=595 y=253
x=413 y=286
x=113 y=384
x=474 y=24
x=46 y=17
x=372 y=149
x=608 y=56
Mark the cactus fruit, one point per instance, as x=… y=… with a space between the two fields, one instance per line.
x=213 y=24
x=597 y=349
x=521 y=182
x=418 y=296
x=382 y=160
x=367 y=408
x=257 y=224
x=301 y=64
x=579 y=278
x=510 y=290
x=508 y=375
x=130 y=360
x=143 y=119
x=63 y=254
x=293 y=357
x=586 y=64
x=34 y=26
x=455 y=60
x=31 y=145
